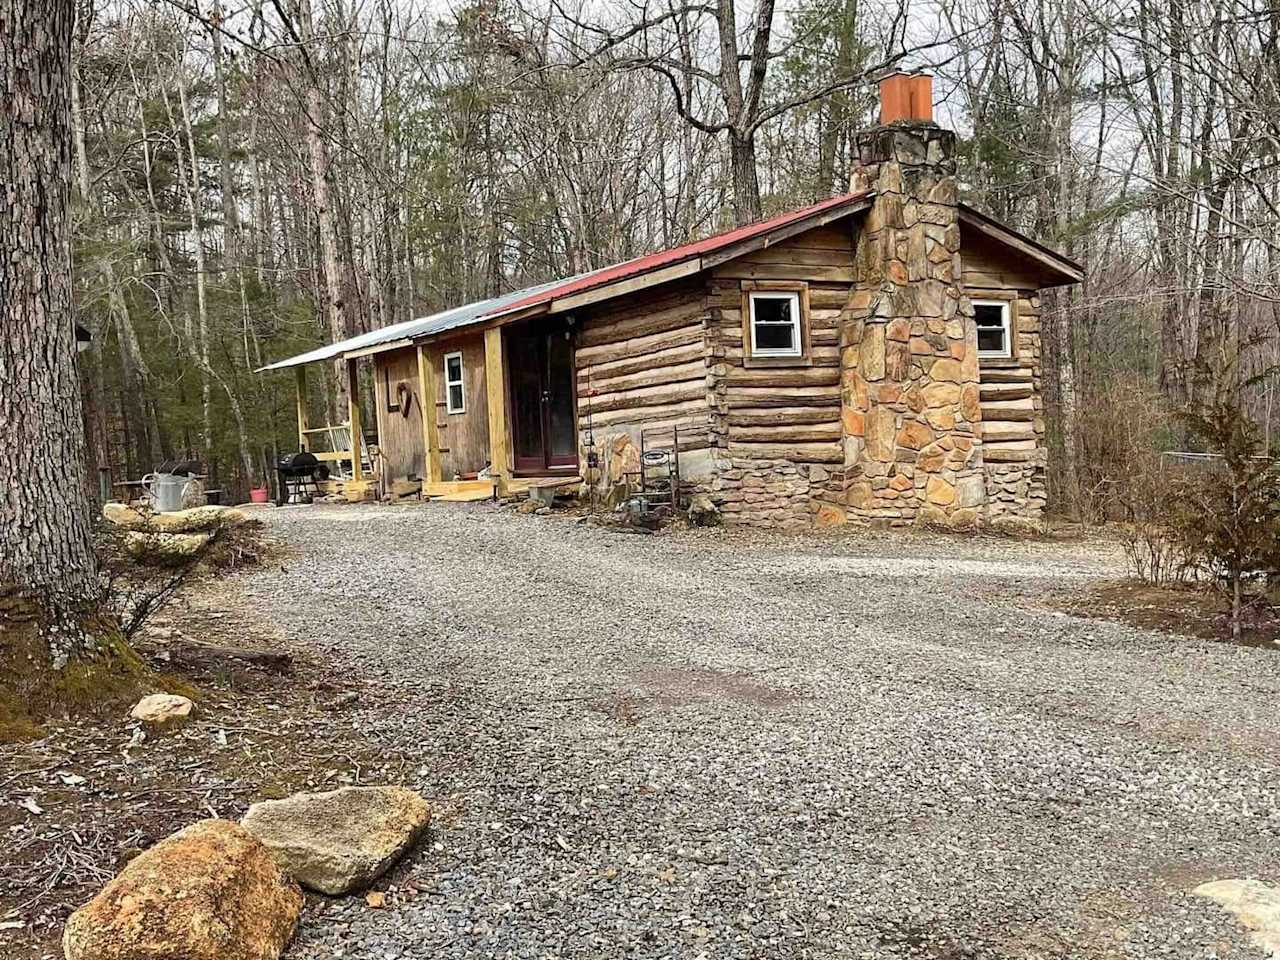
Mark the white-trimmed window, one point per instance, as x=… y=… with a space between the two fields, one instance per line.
x=455 y=397
x=995 y=332
x=775 y=323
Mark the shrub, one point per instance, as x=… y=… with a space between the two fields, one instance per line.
x=1228 y=517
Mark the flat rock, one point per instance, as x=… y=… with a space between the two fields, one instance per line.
x=202 y=519
x=1256 y=905
x=209 y=892
x=342 y=840
x=162 y=709
x=164 y=546
x=123 y=515
x=197 y=519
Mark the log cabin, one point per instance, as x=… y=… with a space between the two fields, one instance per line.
x=874 y=357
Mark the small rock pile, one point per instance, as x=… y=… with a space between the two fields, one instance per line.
x=170 y=536
x=219 y=890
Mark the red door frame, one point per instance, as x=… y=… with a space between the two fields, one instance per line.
x=546 y=462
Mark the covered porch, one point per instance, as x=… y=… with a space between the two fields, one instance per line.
x=462 y=415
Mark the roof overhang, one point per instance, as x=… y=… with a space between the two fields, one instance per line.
x=700 y=256
x=1059 y=269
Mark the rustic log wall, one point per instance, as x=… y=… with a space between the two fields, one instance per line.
x=1013 y=428
x=399 y=436
x=776 y=428
x=641 y=364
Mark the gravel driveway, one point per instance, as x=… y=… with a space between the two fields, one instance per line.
x=716 y=745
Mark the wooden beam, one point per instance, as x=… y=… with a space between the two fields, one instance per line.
x=631 y=285
x=495 y=380
x=300 y=380
x=855 y=205
x=1050 y=259
x=447 y=488
x=430 y=428
x=378 y=348
x=353 y=417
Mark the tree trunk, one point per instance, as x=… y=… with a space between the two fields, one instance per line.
x=746 y=185
x=323 y=195
x=49 y=591
x=45 y=547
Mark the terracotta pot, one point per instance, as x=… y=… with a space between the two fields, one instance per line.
x=259 y=495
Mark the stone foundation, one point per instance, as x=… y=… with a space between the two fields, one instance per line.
x=791 y=496
x=775 y=493
x=1015 y=489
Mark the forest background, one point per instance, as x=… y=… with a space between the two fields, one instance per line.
x=257 y=177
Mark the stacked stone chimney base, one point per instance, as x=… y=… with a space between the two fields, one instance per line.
x=909 y=351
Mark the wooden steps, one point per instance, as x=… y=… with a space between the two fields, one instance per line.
x=459 y=491
x=518 y=485
x=465 y=496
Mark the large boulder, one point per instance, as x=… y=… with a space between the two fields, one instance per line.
x=209 y=892
x=342 y=840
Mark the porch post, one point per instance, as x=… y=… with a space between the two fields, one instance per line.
x=353 y=418
x=300 y=381
x=430 y=429
x=495 y=381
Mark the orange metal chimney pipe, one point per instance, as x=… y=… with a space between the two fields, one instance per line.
x=906 y=96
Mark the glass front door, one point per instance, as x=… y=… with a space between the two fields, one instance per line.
x=540 y=360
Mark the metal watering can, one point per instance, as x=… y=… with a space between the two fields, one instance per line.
x=166 y=491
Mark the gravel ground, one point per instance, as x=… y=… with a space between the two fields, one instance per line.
x=715 y=745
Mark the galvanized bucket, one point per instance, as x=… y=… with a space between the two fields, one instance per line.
x=165 y=490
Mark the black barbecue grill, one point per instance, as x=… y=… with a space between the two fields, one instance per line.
x=300 y=475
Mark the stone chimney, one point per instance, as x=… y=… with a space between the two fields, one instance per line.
x=909 y=347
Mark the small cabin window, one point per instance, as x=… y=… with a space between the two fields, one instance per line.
x=393 y=398
x=775 y=324
x=454 y=396
x=995 y=336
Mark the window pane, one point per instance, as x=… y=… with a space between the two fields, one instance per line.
x=988 y=314
x=990 y=321
x=455 y=396
x=775 y=324
x=775 y=336
x=771 y=309
x=453 y=369
x=991 y=339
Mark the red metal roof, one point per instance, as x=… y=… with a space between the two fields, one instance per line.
x=666 y=258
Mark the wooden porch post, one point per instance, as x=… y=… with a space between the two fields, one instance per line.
x=430 y=429
x=353 y=418
x=300 y=380
x=495 y=381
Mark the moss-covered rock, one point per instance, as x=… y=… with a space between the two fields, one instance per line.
x=56 y=665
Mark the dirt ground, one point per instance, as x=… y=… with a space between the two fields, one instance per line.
x=1179 y=610
x=702 y=744
x=77 y=804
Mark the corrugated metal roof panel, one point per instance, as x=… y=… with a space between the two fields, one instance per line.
x=409 y=329
x=664 y=258
x=546 y=292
